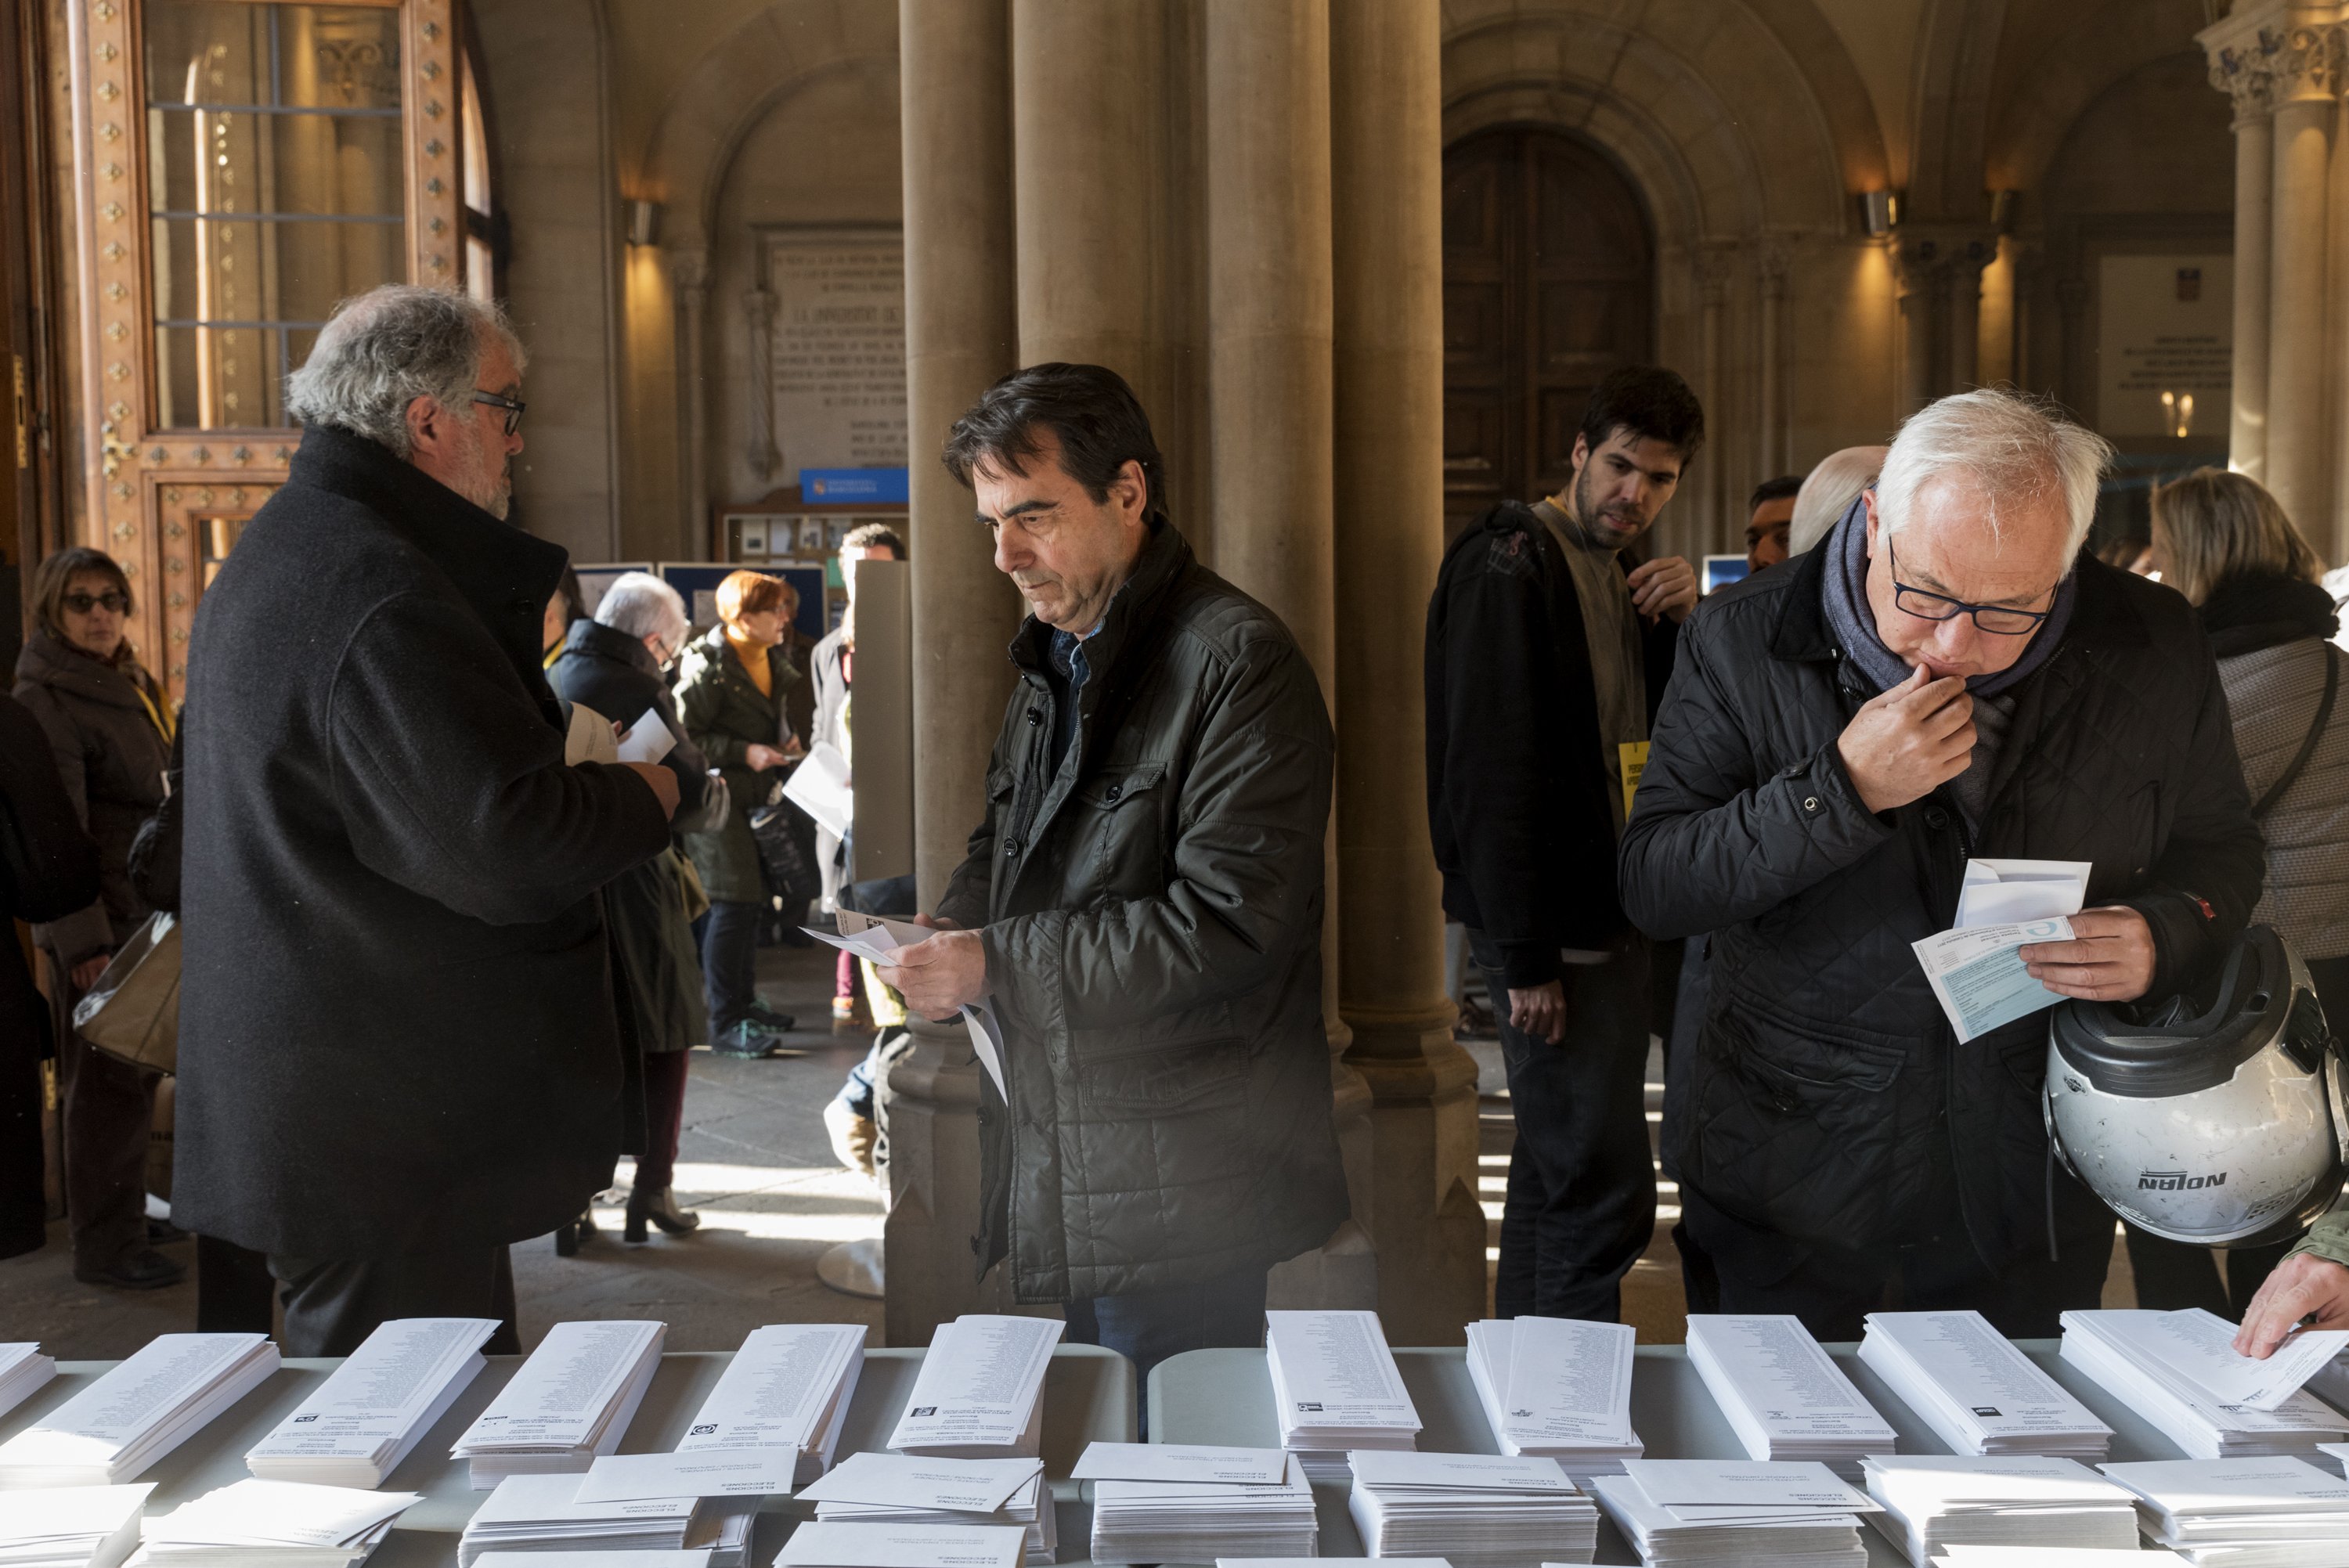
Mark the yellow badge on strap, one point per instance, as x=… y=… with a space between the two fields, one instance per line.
x=1631 y=762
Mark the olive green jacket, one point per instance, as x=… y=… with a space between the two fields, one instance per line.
x=725 y=714
x=2329 y=1237
x=1152 y=914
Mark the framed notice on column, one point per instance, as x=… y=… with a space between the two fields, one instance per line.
x=838 y=350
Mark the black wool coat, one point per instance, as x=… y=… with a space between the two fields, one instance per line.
x=397 y=1025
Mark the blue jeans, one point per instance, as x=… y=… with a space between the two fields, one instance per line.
x=729 y=962
x=1147 y=1326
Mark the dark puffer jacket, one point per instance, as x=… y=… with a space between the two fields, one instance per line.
x=1829 y=1102
x=1153 y=915
x=724 y=714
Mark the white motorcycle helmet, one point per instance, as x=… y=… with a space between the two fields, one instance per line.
x=2222 y=1127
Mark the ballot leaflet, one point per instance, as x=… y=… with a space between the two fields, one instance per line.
x=1978 y=975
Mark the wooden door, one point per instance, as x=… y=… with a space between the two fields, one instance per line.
x=1548 y=283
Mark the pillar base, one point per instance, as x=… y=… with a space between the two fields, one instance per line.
x=929 y=1105
x=1427 y=1224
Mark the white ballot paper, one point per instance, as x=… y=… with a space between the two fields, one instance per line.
x=2244 y=1511
x=365 y=1418
x=703 y=1473
x=1181 y=1463
x=2199 y=1347
x=1336 y=1388
x=1718 y=1491
x=700 y=1559
x=589 y=739
x=23 y=1369
x=1201 y=1521
x=2140 y=1368
x=980 y=1392
x=2009 y=891
x=139 y=1411
x=1557 y=1387
x=1978 y=1392
x=1934 y=1501
x=877 y=937
x=71 y=1526
x=787 y=1387
x=919 y=1481
x=259 y=1521
x=819 y=786
x=1978 y=975
x=648 y=740
x=820 y=1545
x=1782 y=1395
x=572 y=1400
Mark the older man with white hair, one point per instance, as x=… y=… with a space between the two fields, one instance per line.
x=1945 y=677
x=399 y=1045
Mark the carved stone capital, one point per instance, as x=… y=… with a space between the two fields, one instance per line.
x=690 y=269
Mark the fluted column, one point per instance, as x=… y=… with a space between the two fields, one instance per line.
x=1386 y=180
x=2298 y=471
x=690 y=269
x=960 y=335
x=2254 y=128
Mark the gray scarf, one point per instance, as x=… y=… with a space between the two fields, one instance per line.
x=1843 y=592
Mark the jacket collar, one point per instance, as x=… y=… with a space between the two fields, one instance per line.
x=1132 y=610
x=46 y=661
x=594 y=640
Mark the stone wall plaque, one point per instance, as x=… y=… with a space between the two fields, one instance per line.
x=839 y=347
x=2165 y=335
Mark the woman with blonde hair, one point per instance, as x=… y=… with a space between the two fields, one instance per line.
x=2222 y=541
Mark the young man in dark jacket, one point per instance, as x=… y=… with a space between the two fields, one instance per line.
x=1943 y=677
x=399 y=1048
x=1143 y=899
x=1544 y=658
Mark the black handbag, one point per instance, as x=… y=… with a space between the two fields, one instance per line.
x=791 y=873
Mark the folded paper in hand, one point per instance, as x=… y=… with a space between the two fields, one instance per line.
x=819 y=786
x=648 y=740
x=879 y=938
x=2006 y=892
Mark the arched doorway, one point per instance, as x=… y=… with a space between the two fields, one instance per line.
x=1548 y=283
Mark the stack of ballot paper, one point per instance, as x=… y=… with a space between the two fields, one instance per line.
x=822 y=1545
x=1932 y=1503
x=378 y=1405
x=1336 y=1388
x=1558 y=1389
x=272 y=1524
x=2052 y=1557
x=911 y=1489
x=530 y=1514
x=1784 y=1397
x=70 y=1526
x=1479 y=1510
x=591 y=1560
x=1756 y=1515
x=980 y=1392
x=1183 y=1502
x=788 y=1387
x=2180 y=1371
x=1975 y=1390
x=23 y=1369
x=572 y=1400
x=138 y=1412
x=2271 y=1512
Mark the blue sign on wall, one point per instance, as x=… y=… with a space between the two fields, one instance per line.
x=848 y=487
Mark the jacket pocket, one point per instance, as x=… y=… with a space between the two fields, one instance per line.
x=1195 y=1059
x=1125 y=808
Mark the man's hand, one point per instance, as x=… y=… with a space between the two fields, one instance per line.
x=1664 y=587
x=2108 y=959
x=1539 y=1012
x=84 y=974
x=938 y=977
x=663 y=782
x=758 y=759
x=2303 y=1286
x=1904 y=743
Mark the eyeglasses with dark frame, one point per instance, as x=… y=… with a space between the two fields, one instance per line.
x=1998 y=620
x=512 y=405
x=83 y=603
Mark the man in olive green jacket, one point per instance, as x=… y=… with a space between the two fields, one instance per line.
x=2311 y=1285
x=1143 y=899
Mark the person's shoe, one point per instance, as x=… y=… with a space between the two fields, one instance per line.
x=767 y=1018
x=163 y=1232
x=141 y=1268
x=660 y=1207
x=745 y=1041
x=852 y=1136
x=843 y=1016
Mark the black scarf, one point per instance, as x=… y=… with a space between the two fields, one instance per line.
x=2254 y=609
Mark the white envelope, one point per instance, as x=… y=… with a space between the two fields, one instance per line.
x=699 y=1472
x=1182 y=1461
x=2006 y=892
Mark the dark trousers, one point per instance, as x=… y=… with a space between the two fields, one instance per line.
x=24 y=1208
x=1147 y=1326
x=109 y=1106
x=729 y=962
x=664 y=1119
x=331 y=1306
x=233 y=1288
x=1581 y=1203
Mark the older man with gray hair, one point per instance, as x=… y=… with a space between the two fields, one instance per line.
x=1945 y=677
x=399 y=1044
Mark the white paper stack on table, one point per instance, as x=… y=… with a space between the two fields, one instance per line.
x=1186 y=1502
x=820 y=1545
x=1933 y=1501
x=378 y=1405
x=915 y=1489
x=70 y=1526
x=571 y=1401
x=2052 y=1557
x=531 y=1514
x=1785 y=1397
x=980 y=1392
x=788 y=1387
x=1978 y=1392
x=138 y=1412
x=259 y=1523
x=2276 y=1511
x=1336 y=1388
x=2180 y=1371
x=23 y=1369
x=1481 y=1510
x=1558 y=1389
x=1744 y=1511
x=591 y=1560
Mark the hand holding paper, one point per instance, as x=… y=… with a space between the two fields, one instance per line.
x=2110 y=957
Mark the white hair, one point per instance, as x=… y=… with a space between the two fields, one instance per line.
x=2008 y=448
x=642 y=605
x=383 y=349
x=1828 y=493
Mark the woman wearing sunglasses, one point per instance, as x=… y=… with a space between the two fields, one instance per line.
x=110 y=727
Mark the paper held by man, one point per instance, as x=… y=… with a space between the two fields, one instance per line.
x=878 y=939
x=1976 y=970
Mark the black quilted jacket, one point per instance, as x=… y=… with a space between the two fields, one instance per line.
x=1828 y=1102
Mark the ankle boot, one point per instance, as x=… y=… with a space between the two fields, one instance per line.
x=660 y=1207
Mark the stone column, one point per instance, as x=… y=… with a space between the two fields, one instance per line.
x=1771 y=409
x=1967 y=260
x=1713 y=295
x=960 y=332
x=2298 y=465
x=759 y=401
x=2247 y=430
x=1386 y=197
x=1916 y=266
x=690 y=269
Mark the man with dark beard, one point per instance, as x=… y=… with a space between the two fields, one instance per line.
x=1544 y=659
